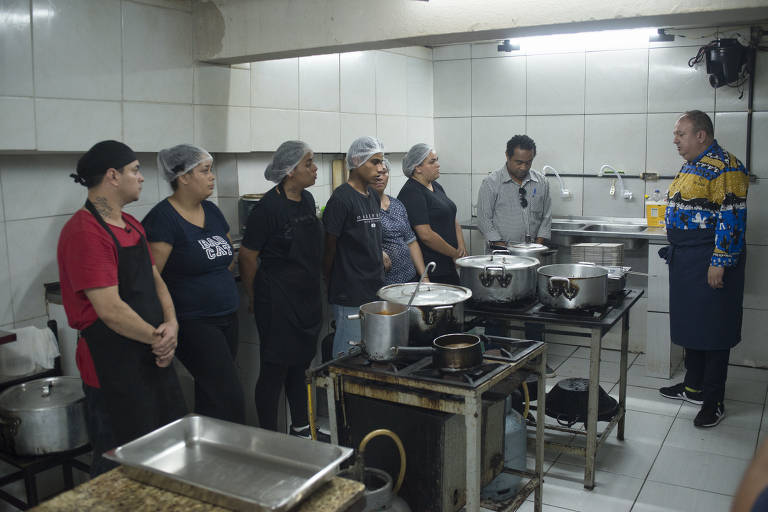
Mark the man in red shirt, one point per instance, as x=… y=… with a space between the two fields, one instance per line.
x=114 y=295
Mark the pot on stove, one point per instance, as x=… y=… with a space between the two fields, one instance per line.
x=436 y=310
x=500 y=277
x=383 y=326
x=572 y=286
x=43 y=416
x=451 y=352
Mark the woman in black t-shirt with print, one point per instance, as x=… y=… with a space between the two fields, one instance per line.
x=432 y=214
x=280 y=266
x=189 y=238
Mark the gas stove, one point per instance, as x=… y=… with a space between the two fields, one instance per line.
x=602 y=316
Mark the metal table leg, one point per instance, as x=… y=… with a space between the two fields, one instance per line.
x=594 y=387
x=541 y=404
x=473 y=422
x=623 y=374
x=330 y=395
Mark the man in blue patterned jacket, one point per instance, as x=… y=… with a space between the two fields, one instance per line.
x=706 y=221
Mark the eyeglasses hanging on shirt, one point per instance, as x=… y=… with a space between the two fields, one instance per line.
x=523 y=200
x=524 y=205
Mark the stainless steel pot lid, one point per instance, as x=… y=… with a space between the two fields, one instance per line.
x=524 y=249
x=42 y=394
x=508 y=261
x=572 y=271
x=430 y=294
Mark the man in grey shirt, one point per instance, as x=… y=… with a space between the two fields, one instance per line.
x=513 y=204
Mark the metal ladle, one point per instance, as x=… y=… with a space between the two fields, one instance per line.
x=430 y=266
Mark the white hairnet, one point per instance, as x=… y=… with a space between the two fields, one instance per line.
x=178 y=160
x=285 y=159
x=417 y=154
x=362 y=149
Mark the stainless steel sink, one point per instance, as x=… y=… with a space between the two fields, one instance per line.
x=616 y=228
x=567 y=225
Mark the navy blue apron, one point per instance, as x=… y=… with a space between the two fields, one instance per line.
x=702 y=318
x=140 y=396
x=287 y=296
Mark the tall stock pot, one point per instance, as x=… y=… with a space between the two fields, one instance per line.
x=500 y=277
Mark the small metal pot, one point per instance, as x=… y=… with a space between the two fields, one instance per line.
x=451 y=352
x=572 y=286
x=437 y=309
x=384 y=325
x=499 y=278
x=43 y=416
x=544 y=254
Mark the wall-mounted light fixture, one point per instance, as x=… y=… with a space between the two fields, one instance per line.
x=661 y=37
x=506 y=46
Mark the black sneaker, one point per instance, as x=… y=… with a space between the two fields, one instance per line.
x=306 y=433
x=678 y=392
x=709 y=415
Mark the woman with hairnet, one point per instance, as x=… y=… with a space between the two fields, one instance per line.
x=353 y=263
x=280 y=260
x=398 y=240
x=432 y=214
x=190 y=243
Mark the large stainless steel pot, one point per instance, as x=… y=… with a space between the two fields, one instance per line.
x=544 y=254
x=499 y=277
x=43 y=416
x=436 y=310
x=384 y=325
x=572 y=286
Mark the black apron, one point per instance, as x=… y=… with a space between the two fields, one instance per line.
x=701 y=317
x=287 y=295
x=140 y=396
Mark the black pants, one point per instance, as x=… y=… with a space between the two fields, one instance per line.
x=707 y=371
x=207 y=347
x=450 y=278
x=100 y=431
x=272 y=377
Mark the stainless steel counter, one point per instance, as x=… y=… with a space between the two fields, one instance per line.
x=596 y=227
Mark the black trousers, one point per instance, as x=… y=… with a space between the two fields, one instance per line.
x=450 y=278
x=207 y=347
x=706 y=371
x=100 y=431
x=272 y=377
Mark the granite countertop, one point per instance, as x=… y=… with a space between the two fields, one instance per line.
x=114 y=491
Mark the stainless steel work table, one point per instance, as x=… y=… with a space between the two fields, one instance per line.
x=445 y=397
x=593 y=327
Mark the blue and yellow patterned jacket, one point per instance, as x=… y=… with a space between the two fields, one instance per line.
x=710 y=192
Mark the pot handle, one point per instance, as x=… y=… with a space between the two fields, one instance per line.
x=356 y=316
x=431 y=315
x=556 y=291
x=504 y=279
x=412 y=350
x=10 y=423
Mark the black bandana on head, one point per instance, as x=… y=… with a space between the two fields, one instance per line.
x=107 y=154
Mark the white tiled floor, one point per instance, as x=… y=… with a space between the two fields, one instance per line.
x=664 y=462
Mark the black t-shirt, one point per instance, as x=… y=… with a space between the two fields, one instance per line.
x=197 y=271
x=269 y=228
x=358 y=270
x=433 y=208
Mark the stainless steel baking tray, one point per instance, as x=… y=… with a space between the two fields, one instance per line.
x=234 y=466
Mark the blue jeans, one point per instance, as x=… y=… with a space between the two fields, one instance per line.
x=346 y=329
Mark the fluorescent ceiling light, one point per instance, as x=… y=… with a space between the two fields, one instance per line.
x=613 y=39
